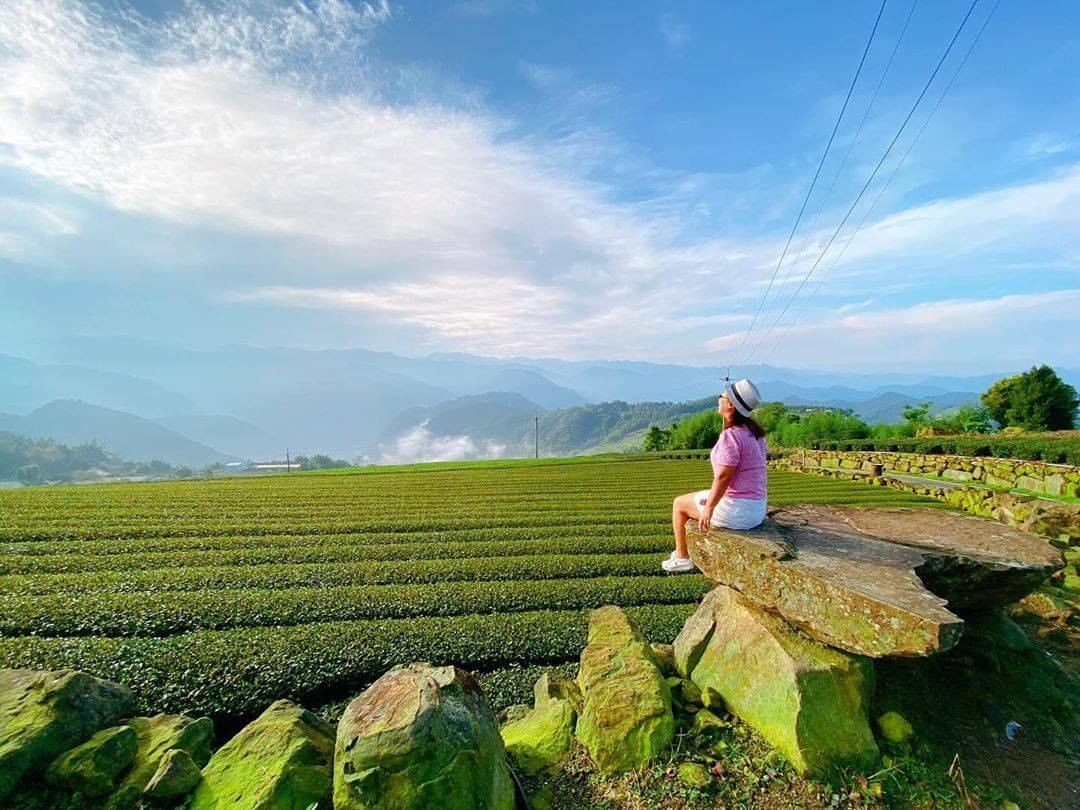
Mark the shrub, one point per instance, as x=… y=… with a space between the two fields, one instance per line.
x=1049 y=448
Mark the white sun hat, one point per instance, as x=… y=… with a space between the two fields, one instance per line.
x=743 y=395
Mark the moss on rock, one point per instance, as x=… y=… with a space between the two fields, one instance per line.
x=808 y=700
x=421 y=737
x=43 y=714
x=91 y=768
x=157 y=736
x=281 y=760
x=695 y=775
x=627 y=718
x=544 y=736
x=895 y=728
x=176 y=776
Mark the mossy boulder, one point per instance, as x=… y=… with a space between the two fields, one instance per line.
x=281 y=760
x=513 y=713
x=176 y=776
x=553 y=686
x=544 y=736
x=695 y=775
x=895 y=728
x=664 y=656
x=157 y=736
x=705 y=720
x=627 y=718
x=91 y=768
x=689 y=693
x=43 y=714
x=541 y=739
x=808 y=700
x=421 y=737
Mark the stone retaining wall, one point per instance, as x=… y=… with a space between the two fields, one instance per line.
x=1000 y=473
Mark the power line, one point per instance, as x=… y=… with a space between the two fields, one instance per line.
x=813 y=182
x=869 y=180
x=851 y=146
x=881 y=192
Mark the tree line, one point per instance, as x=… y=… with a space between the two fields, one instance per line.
x=1036 y=400
x=35 y=461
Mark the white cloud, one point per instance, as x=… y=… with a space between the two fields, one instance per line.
x=1046 y=145
x=267 y=119
x=676 y=33
x=26 y=226
x=419 y=444
x=973 y=334
x=544 y=77
x=466 y=308
x=210 y=120
x=1019 y=214
x=488 y=8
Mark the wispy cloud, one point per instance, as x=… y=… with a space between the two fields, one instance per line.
x=487 y=8
x=545 y=77
x=25 y=226
x=269 y=121
x=974 y=334
x=676 y=33
x=420 y=444
x=1046 y=145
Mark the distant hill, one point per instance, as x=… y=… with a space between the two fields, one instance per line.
x=507 y=418
x=25 y=385
x=225 y=433
x=888 y=407
x=130 y=437
x=346 y=402
x=499 y=416
x=604 y=427
x=609 y=424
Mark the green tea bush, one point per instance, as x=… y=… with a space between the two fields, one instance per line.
x=1054 y=449
x=220 y=596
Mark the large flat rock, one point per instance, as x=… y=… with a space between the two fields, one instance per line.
x=876 y=582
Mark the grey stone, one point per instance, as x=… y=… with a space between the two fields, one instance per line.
x=875 y=582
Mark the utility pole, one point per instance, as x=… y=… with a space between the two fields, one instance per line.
x=536 y=424
x=288 y=461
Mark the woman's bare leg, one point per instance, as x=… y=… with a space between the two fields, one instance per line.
x=682 y=509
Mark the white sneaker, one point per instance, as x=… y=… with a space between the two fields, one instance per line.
x=677 y=565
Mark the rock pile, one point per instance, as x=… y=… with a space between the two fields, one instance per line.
x=419 y=737
x=804 y=602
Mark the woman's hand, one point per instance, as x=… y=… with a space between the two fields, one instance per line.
x=705 y=517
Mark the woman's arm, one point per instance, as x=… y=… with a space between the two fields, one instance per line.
x=719 y=486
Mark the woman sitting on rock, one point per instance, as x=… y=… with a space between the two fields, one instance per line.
x=737 y=497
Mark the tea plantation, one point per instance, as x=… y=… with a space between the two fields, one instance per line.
x=219 y=596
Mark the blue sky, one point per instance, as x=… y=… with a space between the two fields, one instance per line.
x=581 y=180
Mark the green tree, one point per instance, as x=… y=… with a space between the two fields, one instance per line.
x=917 y=415
x=656 y=439
x=973 y=418
x=1035 y=400
x=698 y=431
x=29 y=474
x=826 y=426
x=773 y=416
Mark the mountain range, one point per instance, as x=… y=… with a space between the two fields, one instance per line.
x=145 y=399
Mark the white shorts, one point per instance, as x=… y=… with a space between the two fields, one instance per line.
x=734 y=513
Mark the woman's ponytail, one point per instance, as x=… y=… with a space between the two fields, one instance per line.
x=738 y=419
